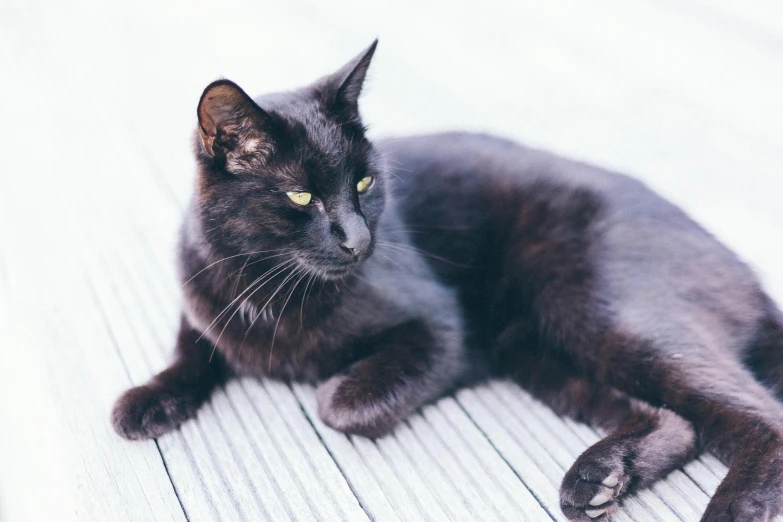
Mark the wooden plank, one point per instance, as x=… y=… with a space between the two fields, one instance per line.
x=107 y=478
x=482 y=480
x=362 y=479
x=62 y=440
x=534 y=469
x=323 y=468
x=481 y=460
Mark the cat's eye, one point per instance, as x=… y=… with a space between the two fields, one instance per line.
x=364 y=183
x=300 y=198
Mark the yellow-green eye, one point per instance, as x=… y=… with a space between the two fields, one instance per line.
x=300 y=198
x=364 y=183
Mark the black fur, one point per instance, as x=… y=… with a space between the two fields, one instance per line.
x=478 y=257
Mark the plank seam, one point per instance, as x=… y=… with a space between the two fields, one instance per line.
x=239 y=461
x=323 y=443
x=443 y=473
x=484 y=434
x=694 y=480
x=451 y=451
x=528 y=399
x=406 y=485
x=115 y=343
x=299 y=442
x=220 y=471
x=280 y=490
x=171 y=481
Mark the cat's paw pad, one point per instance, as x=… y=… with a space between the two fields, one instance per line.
x=146 y=412
x=590 y=490
x=345 y=407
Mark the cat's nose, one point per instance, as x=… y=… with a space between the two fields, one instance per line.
x=354 y=235
x=356 y=244
x=351 y=250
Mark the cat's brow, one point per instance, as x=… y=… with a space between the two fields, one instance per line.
x=285 y=175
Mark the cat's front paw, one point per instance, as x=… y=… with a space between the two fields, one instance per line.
x=344 y=406
x=149 y=411
x=593 y=485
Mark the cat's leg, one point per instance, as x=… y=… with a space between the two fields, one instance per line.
x=645 y=443
x=411 y=364
x=174 y=395
x=743 y=425
x=764 y=355
x=735 y=416
x=650 y=444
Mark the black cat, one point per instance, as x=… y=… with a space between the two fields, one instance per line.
x=303 y=257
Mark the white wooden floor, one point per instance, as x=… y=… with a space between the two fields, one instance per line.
x=97 y=107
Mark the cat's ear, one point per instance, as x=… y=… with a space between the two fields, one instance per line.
x=345 y=85
x=230 y=122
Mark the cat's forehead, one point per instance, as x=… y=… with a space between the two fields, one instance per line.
x=306 y=115
x=314 y=136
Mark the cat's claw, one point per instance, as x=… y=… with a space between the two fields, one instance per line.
x=612 y=480
x=602 y=497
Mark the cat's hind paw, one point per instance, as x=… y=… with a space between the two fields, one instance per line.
x=591 y=490
x=149 y=411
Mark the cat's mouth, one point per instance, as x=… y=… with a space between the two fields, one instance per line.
x=335 y=272
x=332 y=269
x=335 y=265
x=329 y=272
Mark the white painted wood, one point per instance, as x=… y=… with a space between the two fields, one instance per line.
x=323 y=468
x=317 y=496
x=492 y=477
x=363 y=480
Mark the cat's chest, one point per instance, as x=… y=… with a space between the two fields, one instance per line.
x=305 y=336
x=295 y=342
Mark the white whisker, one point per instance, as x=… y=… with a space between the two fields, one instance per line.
x=226 y=259
x=304 y=297
x=280 y=316
x=250 y=286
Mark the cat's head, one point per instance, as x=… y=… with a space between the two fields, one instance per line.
x=290 y=174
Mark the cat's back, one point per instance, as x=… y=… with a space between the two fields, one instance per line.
x=472 y=188
x=476 y=169
x=480 y=181
x=475 y=200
